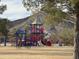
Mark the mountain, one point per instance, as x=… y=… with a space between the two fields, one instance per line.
x=17 y=22
x=13 y=25
x=64 y=30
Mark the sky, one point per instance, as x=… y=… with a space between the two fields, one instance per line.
x=15 y=10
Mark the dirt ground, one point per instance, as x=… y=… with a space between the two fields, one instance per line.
x=36 y=53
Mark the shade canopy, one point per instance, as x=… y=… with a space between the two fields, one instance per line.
x=37 y=21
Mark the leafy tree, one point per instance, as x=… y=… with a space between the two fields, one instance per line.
x=54 y=14
x=4 y=29
x=2 y=8
x=73 y=5
x=3 y=23
x=67 y=35
x=3 y=26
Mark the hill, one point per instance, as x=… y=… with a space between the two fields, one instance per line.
x=64 y=30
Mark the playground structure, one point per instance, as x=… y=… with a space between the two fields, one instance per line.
x=20 y=37
x=36 y=37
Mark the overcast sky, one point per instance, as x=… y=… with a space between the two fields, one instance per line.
x=15 y=10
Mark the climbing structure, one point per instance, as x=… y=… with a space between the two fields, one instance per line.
x=20 y=37
x=36 y=29
x=36 y=34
